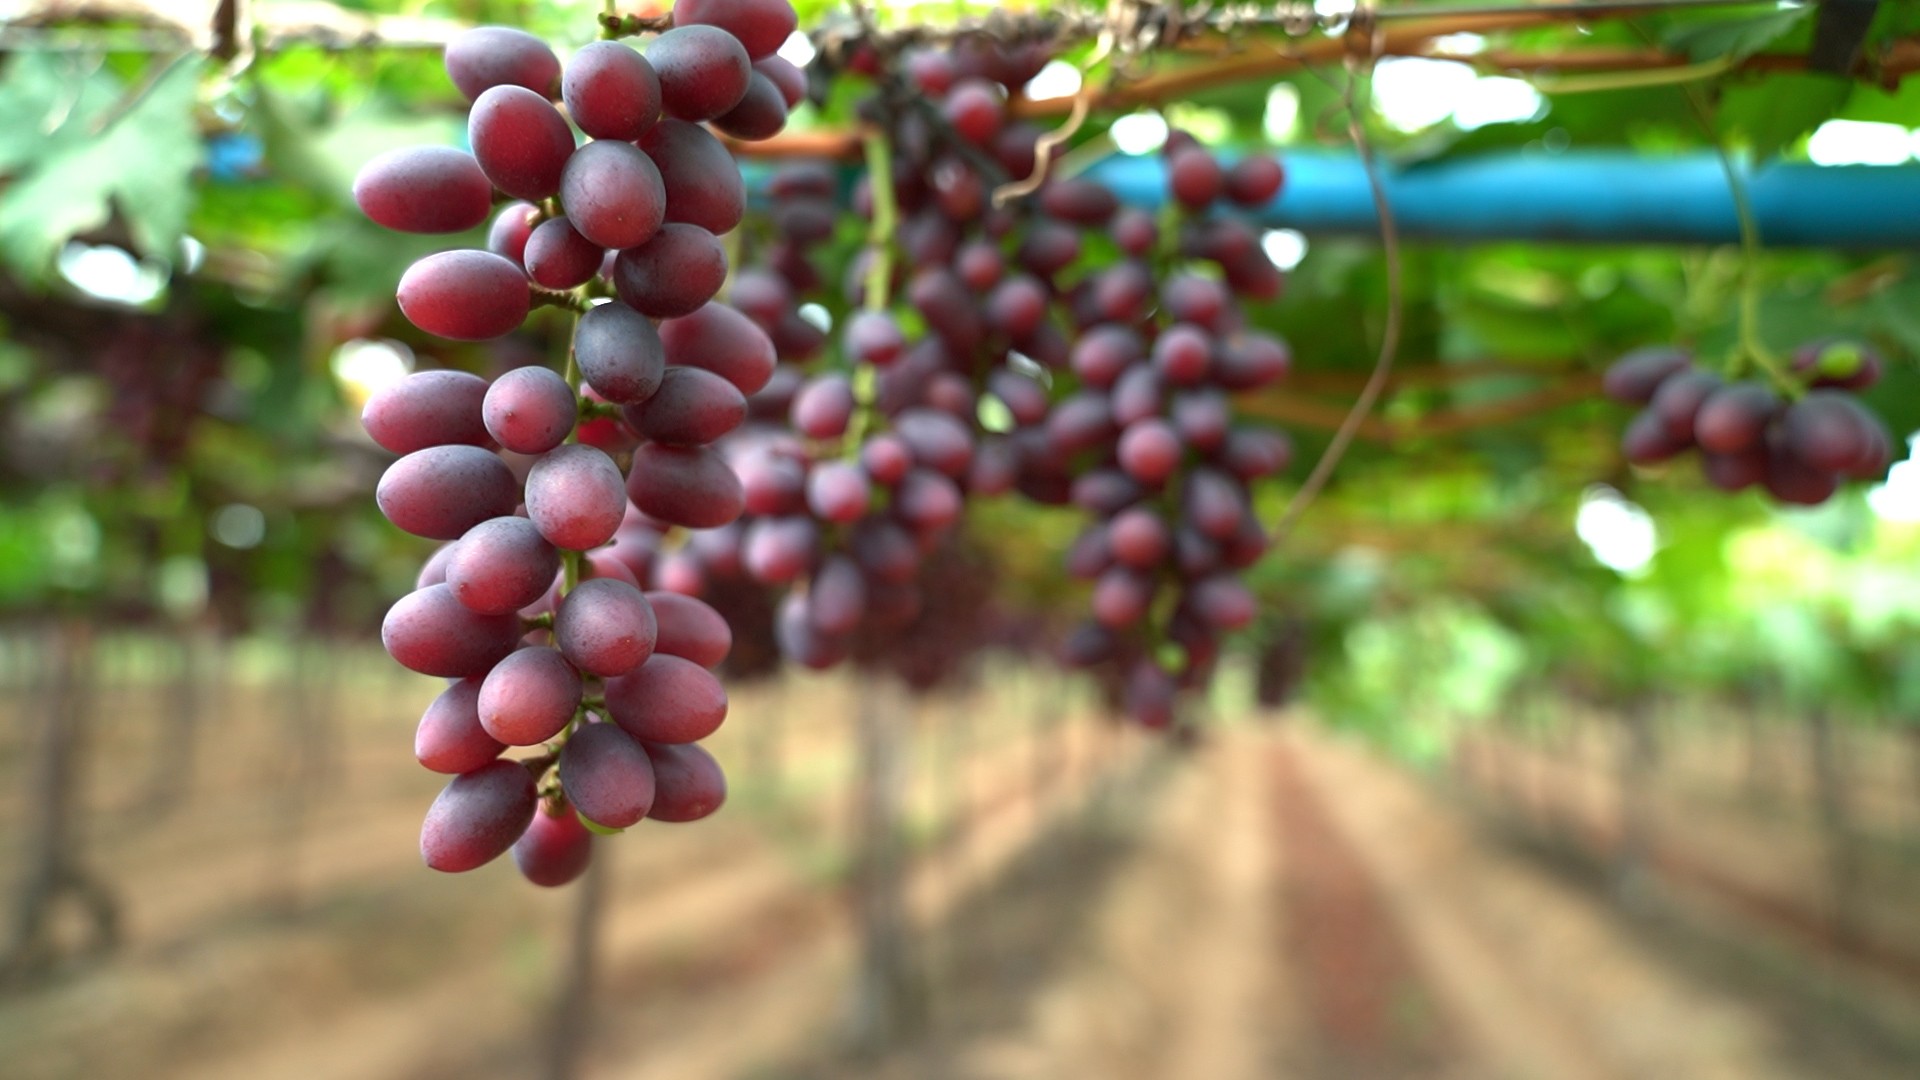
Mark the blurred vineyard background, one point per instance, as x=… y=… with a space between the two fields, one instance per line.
x=1535 y=764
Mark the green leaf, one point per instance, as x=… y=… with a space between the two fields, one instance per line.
x=135 y=151
x=1771 y=115
x=1734 y=38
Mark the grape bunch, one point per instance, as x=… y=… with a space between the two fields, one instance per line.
x=1162 y=346
x=985 y=349
x=1798 y=449
x=555 y=493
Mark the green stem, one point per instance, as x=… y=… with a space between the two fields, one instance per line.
x=1752 y=347
x=885 y=212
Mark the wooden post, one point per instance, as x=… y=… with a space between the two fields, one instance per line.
x=53 y=868
x=889 y=997
x=1638 y=758
x=571 y=1026
x=1836 y=829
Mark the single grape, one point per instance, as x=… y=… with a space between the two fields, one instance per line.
x=838 y=492
x=477 y=817
x=672 y=274
x=450 y=738
x=501 y=566
x=619 y=352
x=1121 y=597
x=529 y=697
x=511 y=228
x=1634 y=377
x=529 y=410
x=558 y=257
x=443 y=491
x=761 y=26
x=690 y=629
x=791 y=81
x=431 y=632
x=1183 y=355
x=520 y=140
x=667 y=700
x=1214 y=503
x=1677 y=402
x=1646 y=440
x=555 y=849
x=1827 y=429
x=613 y=194
x=778 y=550
x=975 y=110
x=692 y=407
x=576 y=496
x=1150 y=451
x=723 y=341
x=606 y=776
x=1250 y=361
x=688 y=783
x=824 y=407
x=465 y=295
x=1254 y=180
x=886 y=458
x=1136 y=395
x=1222 y=602
x=926 y=501
x=489 y=56
x=605 y=627
x=761 y=113
x=611 y=91
x=427 y=408
x=1080 y=422
x=704 y=71
x=424 y=189
x=1734 y=418
x=1201 y=418
x=1195 y=178
x=1138 y=538
x=873 y=337
x=702 y=181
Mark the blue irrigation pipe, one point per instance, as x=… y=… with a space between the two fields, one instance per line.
x=1581 y=196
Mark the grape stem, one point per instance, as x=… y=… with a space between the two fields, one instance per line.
x=886 y=210
x=1390 y=335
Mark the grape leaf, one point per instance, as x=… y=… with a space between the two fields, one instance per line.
x=1734 y=39
x=1772 y=114
x=134 y=150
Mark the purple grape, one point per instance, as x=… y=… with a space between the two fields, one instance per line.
x=1104 y=353
x=761 y=113
x=443 y=491
x=511 y=228
x=1150 y=451
x=529 y=697
x=489 y=56
x=761 y=26
x=703 y=185
x=1195 y=178
x=723 y=341
x=704 y=71
x=874 y=338
x=529 y=410
x=838 y=492
x=477 y=817
x=424 y=189
x=1138 y=538
x=1121 y=597
x=520 y=140
x=1183 y=355
x=606 y=776
x=427 y=408
x=611 y=91
x=673 y=274
x=619 y=352
x=1634 y=377
x=605 y=627
x=501 y=566
x=465 y=295
x=1734 y=418
x=613 y=194
x=1677 y=402
x=667 y=700
x=692 y=407
x=778 y=550
x=558 y=257
x=555 y=849
x=576 y=497
x=450 y=738
x=689 y=486
x=690 y=629
x=431 y=632
x=688 y=783
x=926 y=501
x=824 y=407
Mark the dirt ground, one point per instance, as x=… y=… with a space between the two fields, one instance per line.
x=1274 y=902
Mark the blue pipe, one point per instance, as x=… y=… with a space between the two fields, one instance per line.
x=1591 y=196
x=1582 y=196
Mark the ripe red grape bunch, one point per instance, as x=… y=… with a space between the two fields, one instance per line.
x=1800 y=450
x=534 y=609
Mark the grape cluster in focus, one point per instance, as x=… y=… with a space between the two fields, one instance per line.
x=553 y=492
